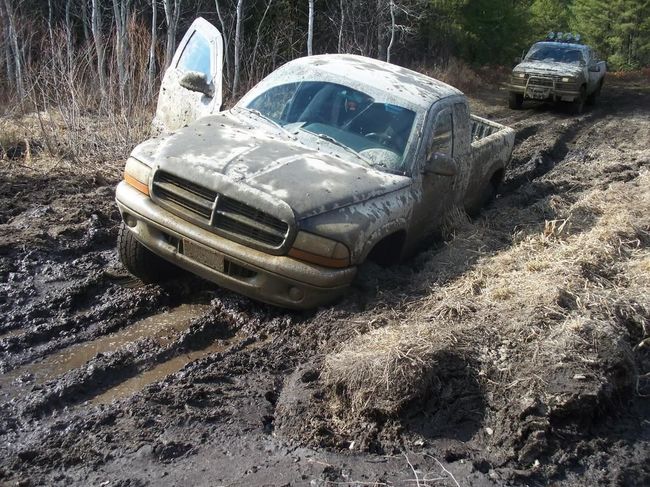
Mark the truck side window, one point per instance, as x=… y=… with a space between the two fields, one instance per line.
x=196 y=56
x=442 y=138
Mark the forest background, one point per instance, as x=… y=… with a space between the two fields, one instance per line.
x=107 y=56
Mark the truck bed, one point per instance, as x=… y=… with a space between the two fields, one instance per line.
x=491 y=145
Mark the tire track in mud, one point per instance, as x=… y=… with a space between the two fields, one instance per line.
x=122 y=363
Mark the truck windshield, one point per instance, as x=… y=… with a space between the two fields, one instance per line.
x=559 y=54
x=377 y=131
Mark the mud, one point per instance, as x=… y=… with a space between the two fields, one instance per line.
x=106 y=381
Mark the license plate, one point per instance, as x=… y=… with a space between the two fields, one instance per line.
x=203 y=255
x=538 y=93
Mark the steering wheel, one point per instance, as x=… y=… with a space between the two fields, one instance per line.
x=380 y=137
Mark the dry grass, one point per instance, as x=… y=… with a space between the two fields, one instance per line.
x=548 y=305
x=456 y=73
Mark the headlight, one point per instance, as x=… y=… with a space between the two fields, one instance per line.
x=137 y=175
x=568 y=80
x=320 y=250
x=520 y=75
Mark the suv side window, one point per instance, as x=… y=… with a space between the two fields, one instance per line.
x=196 y=56
x=442 y=138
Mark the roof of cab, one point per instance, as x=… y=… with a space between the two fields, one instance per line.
x=404 y=83
x=567 y=45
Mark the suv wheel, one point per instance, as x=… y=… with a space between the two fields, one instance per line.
x=591 y=99
x=515 y=100
x=579 y=103
x=139 y=260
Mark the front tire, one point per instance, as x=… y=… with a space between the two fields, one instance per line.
x=515 y=100
x=578 y=105
x=140 y=261
x=591 y=99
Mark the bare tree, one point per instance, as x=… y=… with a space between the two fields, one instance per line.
x=258 y=35
x=310 y=32
x=226 y=38
x=238 y=28
x=172 y=14
x=98 y=40
x=121 y=10
x=15 y=50
x=392 y=29
x=341 y=27
x=68 y=33
x=151 y=70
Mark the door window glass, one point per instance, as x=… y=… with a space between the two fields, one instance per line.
x=197 y=56
x=442 y=139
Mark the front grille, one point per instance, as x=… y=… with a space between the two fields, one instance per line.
x=539 y=81
x=248 y=223
x=184 y=195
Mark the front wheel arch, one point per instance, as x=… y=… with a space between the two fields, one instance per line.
x=388 y=250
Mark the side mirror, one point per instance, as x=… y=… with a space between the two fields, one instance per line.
x=517 y=60
x=195 y=81
x=440 y=164
x=594 y=68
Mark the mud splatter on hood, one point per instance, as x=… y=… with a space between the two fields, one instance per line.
x=548 y=68
x=228 y=148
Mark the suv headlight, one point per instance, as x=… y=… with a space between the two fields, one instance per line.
x=568 y=79
x=137 y=174
x=320 y=250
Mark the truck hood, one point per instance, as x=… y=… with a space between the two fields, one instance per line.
x=233 y=149
x=548 y=68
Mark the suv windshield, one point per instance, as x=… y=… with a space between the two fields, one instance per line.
x=377 y=131
x=560 y=54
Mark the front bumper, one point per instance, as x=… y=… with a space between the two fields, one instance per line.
x=273 y=279
x=554 y=94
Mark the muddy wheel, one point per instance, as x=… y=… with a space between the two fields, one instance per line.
x=515 y=100
x=591 y=99
x=579 y=103
x=139 y=260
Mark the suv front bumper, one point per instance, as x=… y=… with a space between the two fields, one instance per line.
x=278 y=280
x=555 y=94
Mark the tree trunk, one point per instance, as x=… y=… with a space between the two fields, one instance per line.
x=392 y=30
x=6 y=44
x=238 y=22
x=98 y=39
x=226 y=39
x=151 y=74
x=49 y=23
x=68 y=33
x=258 y=35
x=84 y=20
x=172 y=13
x=121 y=13
x=341 y=28
x=380 y=30
x=310 y=32
x=15 y=50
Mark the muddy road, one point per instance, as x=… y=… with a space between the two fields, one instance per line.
x=106 y=381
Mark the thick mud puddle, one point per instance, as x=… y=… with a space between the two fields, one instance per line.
x=163 y=328
x=139 y=382
x=11 y=333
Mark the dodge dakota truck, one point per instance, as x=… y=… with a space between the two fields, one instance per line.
x=329 y=161
x=558 y=69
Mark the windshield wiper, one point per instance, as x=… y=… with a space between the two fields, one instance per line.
x=266 y=118
x=332 y=140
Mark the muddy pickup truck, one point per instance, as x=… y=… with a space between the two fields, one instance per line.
x=327 y=162
x=559 y=69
